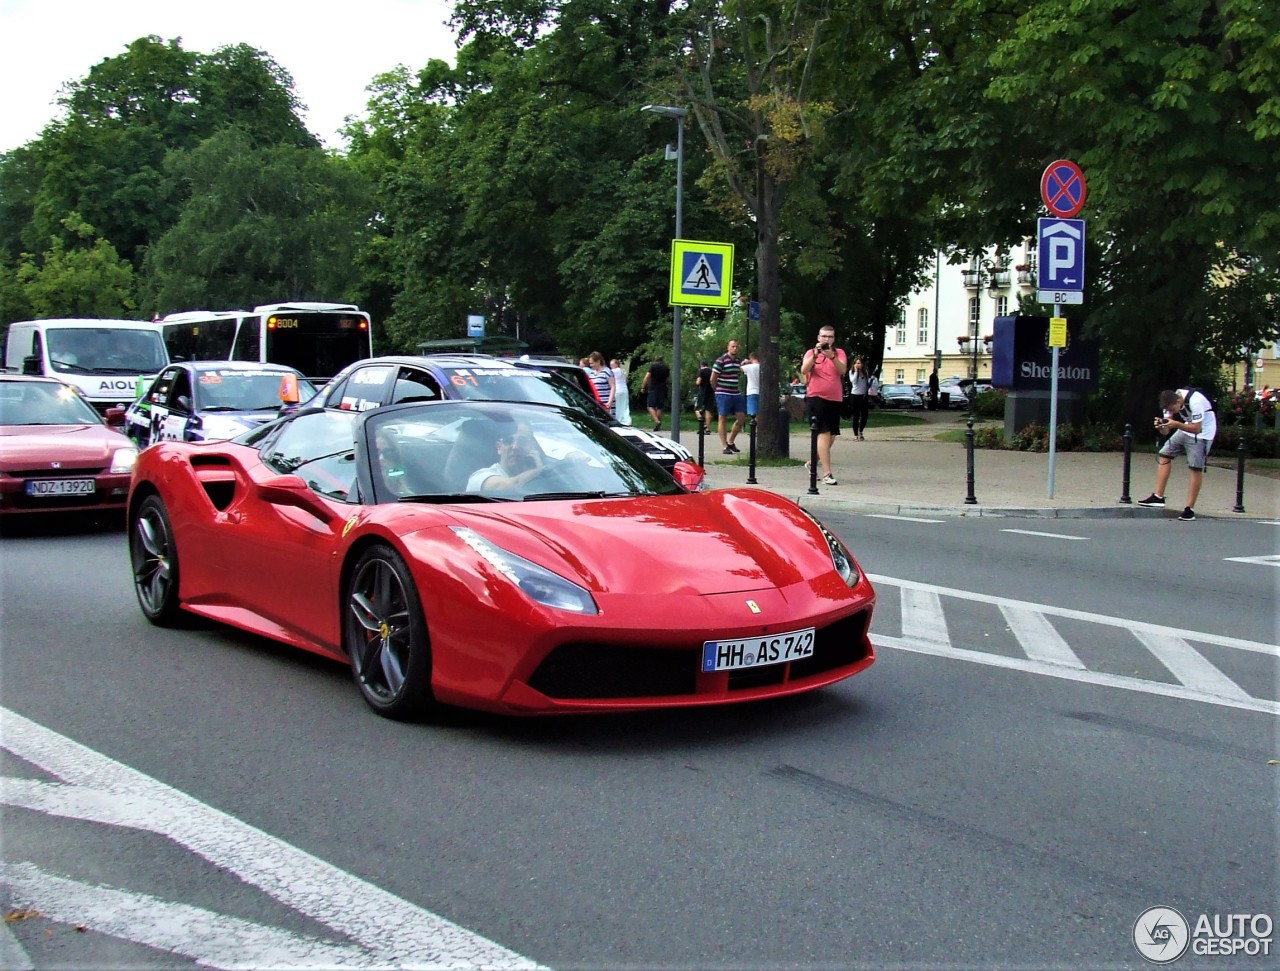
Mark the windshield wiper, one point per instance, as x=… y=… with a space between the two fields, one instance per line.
x=440 y=497
x=598 y=494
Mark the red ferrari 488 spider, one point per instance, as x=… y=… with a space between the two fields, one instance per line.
x=508 y=557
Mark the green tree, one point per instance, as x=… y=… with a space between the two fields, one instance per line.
x=260 y=224
x=88 y=279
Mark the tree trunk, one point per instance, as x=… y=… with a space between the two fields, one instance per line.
x=772 y=430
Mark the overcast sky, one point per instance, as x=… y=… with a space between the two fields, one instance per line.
x=332 y=50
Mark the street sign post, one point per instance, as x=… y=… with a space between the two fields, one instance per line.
x=1060 y=245
x=701 y=273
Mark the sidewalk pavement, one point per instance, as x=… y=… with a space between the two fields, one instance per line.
x=908 y=472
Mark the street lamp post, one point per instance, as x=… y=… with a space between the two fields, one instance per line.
x=679 y=114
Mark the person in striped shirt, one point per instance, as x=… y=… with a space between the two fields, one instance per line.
x=726 y=378
x=602 y=380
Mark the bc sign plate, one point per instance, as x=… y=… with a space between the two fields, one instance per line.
x=701 y=273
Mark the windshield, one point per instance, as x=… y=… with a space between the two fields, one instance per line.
x=317 y=344
x=43 y=403
x=105 y=350
x=227 y=389
x=505 y=383
x=474 y=451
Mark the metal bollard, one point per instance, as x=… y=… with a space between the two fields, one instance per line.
x=970 y=499
x=784 y=433
x=1128 y=452
x=702 y=443
x=1239 y=506
x=813 y=456
x=751 y=452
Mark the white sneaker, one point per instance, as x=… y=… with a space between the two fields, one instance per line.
x=829 y=480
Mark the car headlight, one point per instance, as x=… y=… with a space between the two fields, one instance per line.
x=535 y=582
x=122 y=459
x=840 y=557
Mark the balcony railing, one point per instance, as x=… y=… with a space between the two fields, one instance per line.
x=972 y=278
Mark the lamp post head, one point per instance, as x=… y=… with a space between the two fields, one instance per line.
x=669 y=110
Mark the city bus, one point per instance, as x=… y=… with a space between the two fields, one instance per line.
x=200 y=335
x=319 y=339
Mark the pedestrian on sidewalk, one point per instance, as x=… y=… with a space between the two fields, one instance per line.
x=622 y=395
x=655 y=388
x=1191 y=425
x=934 y=389
x=705 y=396
x=859 y=406
x=726 y=378
x=602 y=381
x=823 y=368
x=751 y=388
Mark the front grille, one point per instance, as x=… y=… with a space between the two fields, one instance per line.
x=44 y=472
x=590 y=670
x=615 y=671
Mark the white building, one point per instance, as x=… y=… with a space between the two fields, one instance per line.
x=953 y=317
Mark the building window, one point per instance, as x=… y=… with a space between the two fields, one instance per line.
x=922 y=326
x=975 y=312
x=899 y=376
x=920 y=376
x=1002 y=306
x=901 y=337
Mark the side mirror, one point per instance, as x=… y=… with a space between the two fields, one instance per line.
x=689 y=475
x=290 y=490
x=114 y=416
x=289 y=389
x=31 y=364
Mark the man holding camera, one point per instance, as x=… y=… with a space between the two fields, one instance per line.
x=1190 y=423
x=823 y=370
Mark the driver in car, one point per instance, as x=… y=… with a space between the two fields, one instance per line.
x=520 y=461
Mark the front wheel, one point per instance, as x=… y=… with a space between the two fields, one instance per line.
x=384 y=633
x=153 y=555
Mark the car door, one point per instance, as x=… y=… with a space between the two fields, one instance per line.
x=368 y=386
x=288 y=572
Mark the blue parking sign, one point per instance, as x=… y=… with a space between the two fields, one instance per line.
x=1060 y=254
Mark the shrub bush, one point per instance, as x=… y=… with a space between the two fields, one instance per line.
x=990 y=404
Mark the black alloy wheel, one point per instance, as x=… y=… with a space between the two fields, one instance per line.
x=154 y=558
x=384 y=634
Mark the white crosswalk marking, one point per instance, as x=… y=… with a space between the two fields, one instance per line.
x=1189 y=666
x=925 y=631
x=922 y=616
x=1038 y=637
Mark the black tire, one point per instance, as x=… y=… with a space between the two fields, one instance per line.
x=153 y=554
x=384 y=633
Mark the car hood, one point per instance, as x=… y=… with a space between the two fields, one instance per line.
x=84 y=446
x=721 y=541
x=651 y=442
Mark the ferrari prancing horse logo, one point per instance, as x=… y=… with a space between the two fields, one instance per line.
x=753 y=606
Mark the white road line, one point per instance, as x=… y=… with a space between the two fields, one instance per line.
x=1038 y=638
x=215 y=940
x=1187 y=665
x=922 y=617
x=13 y=956
x=1272 y=560
x=100 y=789
x=1071 y=674
x=1033 y=532
x=1199 y=637
x=902 y=519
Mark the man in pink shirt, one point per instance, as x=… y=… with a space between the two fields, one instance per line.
x=823 y=372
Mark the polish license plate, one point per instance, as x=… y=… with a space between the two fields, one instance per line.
x=754 y=652
x=60 y=487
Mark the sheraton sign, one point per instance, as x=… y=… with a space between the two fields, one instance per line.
x=1022 y=360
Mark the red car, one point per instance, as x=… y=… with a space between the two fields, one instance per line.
x=56 y=452
x=511 y=557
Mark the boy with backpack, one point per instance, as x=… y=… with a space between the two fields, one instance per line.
x=1189 y=421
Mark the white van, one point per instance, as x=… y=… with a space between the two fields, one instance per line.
x=103 y=358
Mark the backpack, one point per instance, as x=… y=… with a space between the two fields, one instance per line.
x=1203 y=393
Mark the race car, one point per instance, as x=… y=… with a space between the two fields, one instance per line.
x=197 y=401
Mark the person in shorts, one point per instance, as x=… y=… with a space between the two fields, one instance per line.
x=1188 y=420
x=656 y=390
x=751 y=379
x=726 y=378
x=823 y=369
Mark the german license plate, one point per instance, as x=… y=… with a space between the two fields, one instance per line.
x=60 y=487
x=754 y=652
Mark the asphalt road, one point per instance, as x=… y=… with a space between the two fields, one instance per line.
x=235 y=800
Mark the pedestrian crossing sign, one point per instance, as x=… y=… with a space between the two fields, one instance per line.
x=701 y=273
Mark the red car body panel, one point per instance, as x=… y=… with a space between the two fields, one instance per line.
x=666 y=572
x=60 y=452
